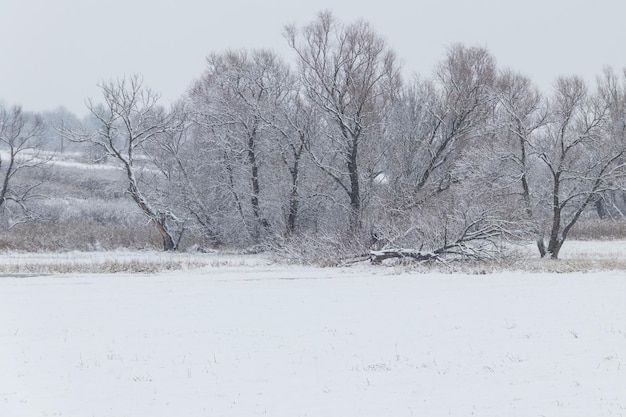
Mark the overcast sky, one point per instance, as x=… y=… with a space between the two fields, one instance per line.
x=54 y=52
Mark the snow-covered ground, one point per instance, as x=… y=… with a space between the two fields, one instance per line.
x=246 y=337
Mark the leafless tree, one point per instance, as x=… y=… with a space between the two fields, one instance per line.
x=580 y=158
x=521 y=114
x=235 y=102
x=21 y=139
x=612 y=90
x=294 y=123
x=57 y=121
x=434 y=122
x=350 y=75
x=128 y=120
x=437 y=188
x=183 y=166
x=227 y=136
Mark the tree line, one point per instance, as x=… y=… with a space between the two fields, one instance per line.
x=340 y=151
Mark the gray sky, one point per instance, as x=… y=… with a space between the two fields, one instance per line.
x=54 y=52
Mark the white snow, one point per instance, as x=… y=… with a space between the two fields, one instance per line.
x=251 y=338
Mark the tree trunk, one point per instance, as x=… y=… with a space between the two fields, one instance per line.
x=541 y=245
x=600 y=208
x=555 y=242
x=168 y=241
x=159 y=219
x=293 y=198
x=256 y=188
x=355 y=193
x=377 y=257
x=554 y=247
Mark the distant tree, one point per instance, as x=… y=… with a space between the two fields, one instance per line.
x=128 y=121
x=21 y=141
x=58 y=121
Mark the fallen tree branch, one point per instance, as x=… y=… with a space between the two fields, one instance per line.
x=377 y=257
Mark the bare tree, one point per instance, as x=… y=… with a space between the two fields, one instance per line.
x=350 y=75
x=439 y=137
x=521 y=114
x=235 y=101
x=580 y=159
x=612 y=90
x=183 y=165
x=434 y=122
x=294 y=122
x=129 y=120
x=57 y=122
x=21 y=139
x=465 y=80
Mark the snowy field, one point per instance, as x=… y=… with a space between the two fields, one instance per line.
x=242 y=336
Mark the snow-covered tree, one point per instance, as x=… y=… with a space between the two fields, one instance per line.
x=521 y=115
x=350 y=74
x=128 y=120
x=236 y=106
x=582 y=157
x=21 y=142
x=436 y=192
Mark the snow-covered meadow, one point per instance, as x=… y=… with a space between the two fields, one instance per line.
x=244 y=336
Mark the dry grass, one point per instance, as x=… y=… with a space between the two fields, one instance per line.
x=131 y=262
x=109 y=267
x=598 y=229
x=78 y=236
x=582 y=256
x=99 y=262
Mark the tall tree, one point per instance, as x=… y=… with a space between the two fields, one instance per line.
x=580 y=159
x=294 y=123
x=433 y=122
x=350 y=75
x=436 y=134
x=236 y=102
x=612 y=90
x=521 y=115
